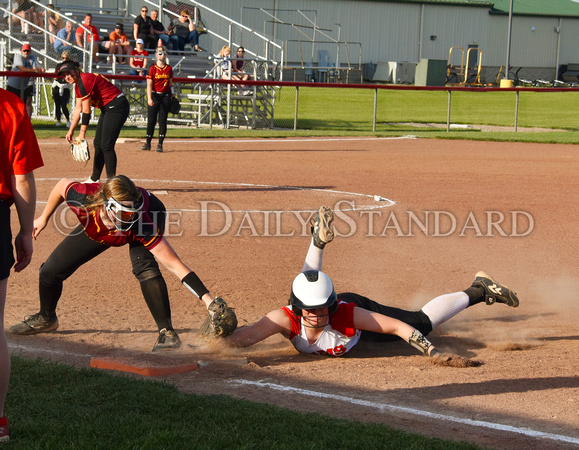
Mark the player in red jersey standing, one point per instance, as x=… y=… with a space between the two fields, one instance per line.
x=112 y=214
x=95 y=90
x=159 y=94
x=19 y=157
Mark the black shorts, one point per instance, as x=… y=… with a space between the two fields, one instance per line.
x=23 y=94
x=6 y=249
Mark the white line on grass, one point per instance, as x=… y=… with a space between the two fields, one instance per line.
x=384 y=406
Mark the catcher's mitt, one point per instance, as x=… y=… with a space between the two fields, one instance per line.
x=221 y=320
x=79 y=150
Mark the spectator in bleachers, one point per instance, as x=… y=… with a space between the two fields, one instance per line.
x=26 y=10
x=118 y=43
x=138 y=60
x=65 y=38
x=55 y=22
x=238 y=66
x=143 y=29
x=80 y=32
x=185 y=30
x=23 y=87
x=61 y=95
x=161 y=33
x=225 y=55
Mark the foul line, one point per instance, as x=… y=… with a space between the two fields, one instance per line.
x=381 y=202
x=383 y=406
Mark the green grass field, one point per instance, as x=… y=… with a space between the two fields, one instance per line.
x=349 y=112
x=56 y=406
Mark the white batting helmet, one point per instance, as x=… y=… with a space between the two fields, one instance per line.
x=312 y=289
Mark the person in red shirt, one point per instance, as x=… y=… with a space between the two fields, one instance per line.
x=138 y=61
x=112 y=214
x=159 y=94
x=95 y=90
x=19 y=157
x=80 y=33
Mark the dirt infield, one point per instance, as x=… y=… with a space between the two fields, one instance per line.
x=445 y=210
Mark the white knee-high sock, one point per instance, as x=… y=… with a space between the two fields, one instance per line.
x=313 y=258
x=444 y=307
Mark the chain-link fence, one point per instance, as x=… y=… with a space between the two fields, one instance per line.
x=219 y=103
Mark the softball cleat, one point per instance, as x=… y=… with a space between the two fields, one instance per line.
x=168 y=339
x=322 y=227
x=495 y=292
x=35 y=324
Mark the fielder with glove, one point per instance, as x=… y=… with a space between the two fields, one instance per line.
x=322 y=322
x=114 y=214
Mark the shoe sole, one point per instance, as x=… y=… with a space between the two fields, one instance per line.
x=511 y=301
x=30 y=330
x=324 y=224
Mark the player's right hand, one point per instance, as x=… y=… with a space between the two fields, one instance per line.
x=39 y=225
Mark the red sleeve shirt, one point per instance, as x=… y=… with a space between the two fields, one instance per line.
x=19 y=150
x=95 y=32
x=137 y=57
x=100 y=90
x=144 y=230
x=161 y=78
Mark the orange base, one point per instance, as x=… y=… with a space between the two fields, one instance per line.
x=112 y=364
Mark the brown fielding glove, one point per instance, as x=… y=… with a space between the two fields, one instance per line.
x=220 y=322
x=79 y=150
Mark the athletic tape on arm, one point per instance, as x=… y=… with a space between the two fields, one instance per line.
x=194 y=284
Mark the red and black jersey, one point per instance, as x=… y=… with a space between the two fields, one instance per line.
x=138 y=59
x=161 y=78
x=100 y=90
x=144 y=230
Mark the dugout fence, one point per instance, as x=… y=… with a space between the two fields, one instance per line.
x=223 y=104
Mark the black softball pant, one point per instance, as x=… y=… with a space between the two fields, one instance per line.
x=61 y=103
x=113 y=116
x=416 y=319
x=160 y=108
x=78 y=248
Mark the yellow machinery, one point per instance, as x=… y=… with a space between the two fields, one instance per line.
x=464 y=75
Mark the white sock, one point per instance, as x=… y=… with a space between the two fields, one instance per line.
x=313 y=258
x=445 y=307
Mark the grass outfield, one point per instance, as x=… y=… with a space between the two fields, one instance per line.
x=51 y=405
x=349 y=112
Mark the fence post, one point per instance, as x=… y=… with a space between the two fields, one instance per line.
x=375 y=109
x=448 y=113
x=517 y=112
x=296 y=109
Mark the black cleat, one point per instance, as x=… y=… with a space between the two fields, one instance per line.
x=146 y=147
x=168 y=339
x=159 y=148
x=495 y=292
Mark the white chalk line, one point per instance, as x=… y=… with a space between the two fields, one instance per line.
x=384 y=406
x=382 y=203
x=268 y=140
x=45 y=350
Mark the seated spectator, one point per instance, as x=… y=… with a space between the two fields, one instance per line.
x=160 y=32
x=238 y=66
x=65 y=38
x=118 y=43
x=55 y=22
x=225 y=55
x=26 y=10
x=143 y=29
x=138 y=60
x=185 y=30
x=80 y=32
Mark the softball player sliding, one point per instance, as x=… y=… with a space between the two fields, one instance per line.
x=112 y=214
x=95 y=90
x=321 y=322
x=159 y=93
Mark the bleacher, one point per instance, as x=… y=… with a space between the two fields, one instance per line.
x=202 y=105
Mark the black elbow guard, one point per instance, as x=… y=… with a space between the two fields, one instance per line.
x=194 y=284
x=85 y=118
